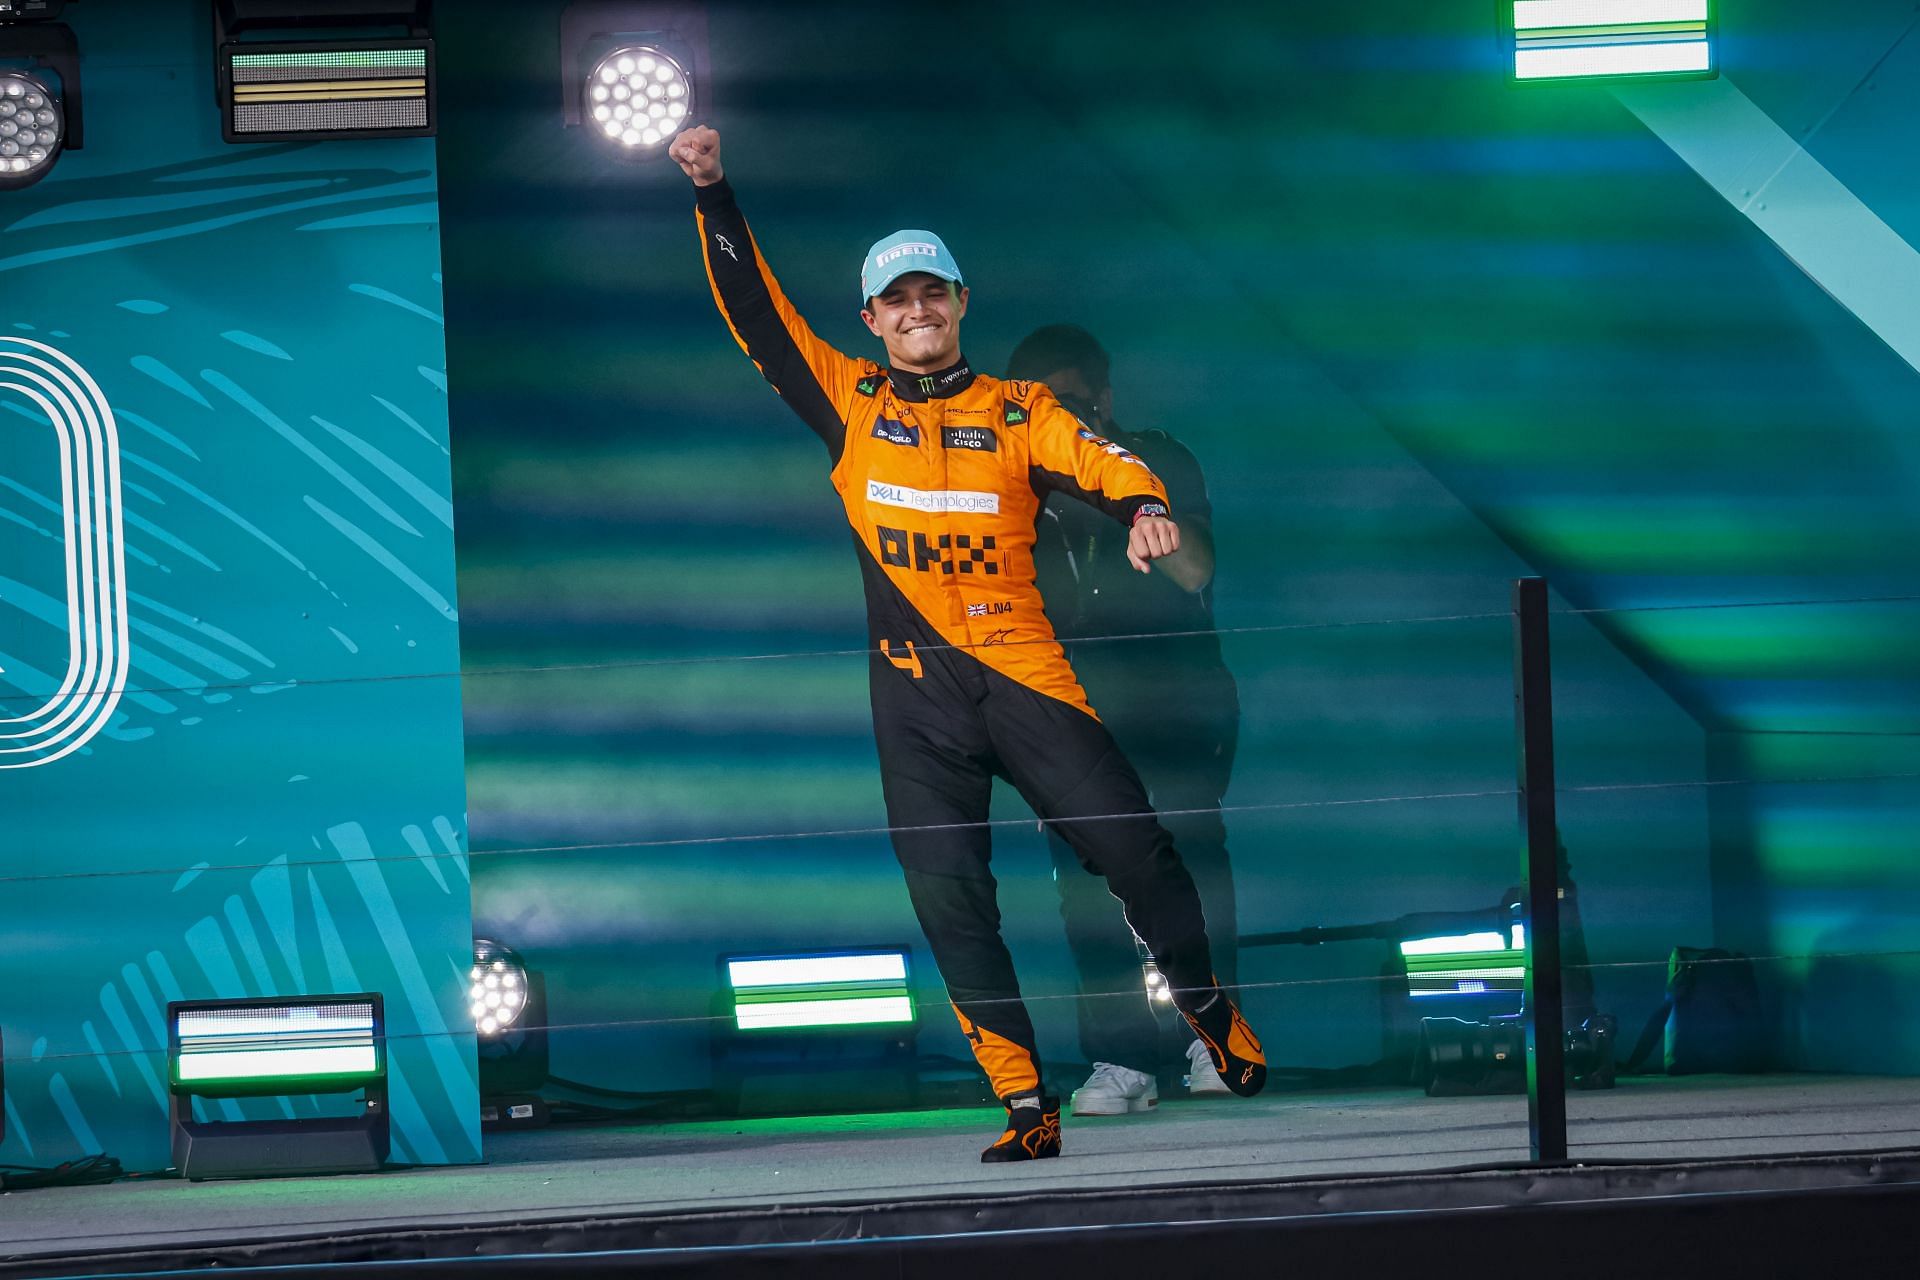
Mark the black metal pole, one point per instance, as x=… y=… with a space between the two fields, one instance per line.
x=1533 y=724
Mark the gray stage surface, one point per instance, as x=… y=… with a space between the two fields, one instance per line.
x=634 y=1170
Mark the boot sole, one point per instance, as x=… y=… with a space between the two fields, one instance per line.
x=1130 y=1107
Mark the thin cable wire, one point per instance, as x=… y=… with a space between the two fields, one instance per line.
x=770 y=837
x=935 y=1005
x=1734 y=604
x=630 y=664
x=627 y=664
x=766 y=837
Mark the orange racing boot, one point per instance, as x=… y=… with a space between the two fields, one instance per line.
x=1033 y=1130
x=1230 y=1042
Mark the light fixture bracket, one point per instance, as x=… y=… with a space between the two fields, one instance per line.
x=50 y=45
x=590 y=28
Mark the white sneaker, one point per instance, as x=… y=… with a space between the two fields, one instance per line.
x=1202 y=1079
x=1114 y=1090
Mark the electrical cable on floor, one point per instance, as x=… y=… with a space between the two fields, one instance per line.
x=579 y=1086
x=87 y=1171
x=670 y=1105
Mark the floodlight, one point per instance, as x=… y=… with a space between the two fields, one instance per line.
x=1558 y=40
x=509 y=1007
x=496 y=988
x=277 y=1048
x=634 y=74
x=279 y=77
x=40 y=102
x=32 y=129
x=637 y=96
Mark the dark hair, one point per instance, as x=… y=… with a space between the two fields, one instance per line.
x=1061 y=346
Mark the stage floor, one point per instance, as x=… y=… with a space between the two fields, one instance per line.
x=611 y=1170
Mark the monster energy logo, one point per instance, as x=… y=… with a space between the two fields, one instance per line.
x=926 y=385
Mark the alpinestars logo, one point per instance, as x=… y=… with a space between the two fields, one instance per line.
x=726 y=246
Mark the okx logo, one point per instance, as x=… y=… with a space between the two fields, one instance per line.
x=96 y=568
x=942 y=555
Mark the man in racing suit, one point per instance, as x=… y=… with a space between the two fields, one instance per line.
x=942 y=472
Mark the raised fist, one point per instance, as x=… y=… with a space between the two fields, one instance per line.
x=697 y=152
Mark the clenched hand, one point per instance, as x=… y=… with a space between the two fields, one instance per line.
x=1150 y=538
x=697 y=152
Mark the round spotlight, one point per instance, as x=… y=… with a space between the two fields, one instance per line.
x=497 y=988
x=652 y=94
x=32 y=129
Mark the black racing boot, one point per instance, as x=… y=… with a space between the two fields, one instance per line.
x=1033 y=1130
x=1230 y=1042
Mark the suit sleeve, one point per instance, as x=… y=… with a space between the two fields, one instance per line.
x=815 y=380
x=1180 y=472
x=1067 y=457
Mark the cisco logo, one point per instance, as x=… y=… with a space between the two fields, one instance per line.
x=89 y=444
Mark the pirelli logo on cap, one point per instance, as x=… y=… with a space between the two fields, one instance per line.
x=963 y=501
x=911 y=249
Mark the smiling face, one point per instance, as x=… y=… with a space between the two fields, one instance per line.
x=918 y=318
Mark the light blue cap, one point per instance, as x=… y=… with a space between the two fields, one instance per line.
x=902 y=252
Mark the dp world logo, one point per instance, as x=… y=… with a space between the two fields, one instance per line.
x=89 y=445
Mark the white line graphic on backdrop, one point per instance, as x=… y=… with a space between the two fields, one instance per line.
x=97 y=648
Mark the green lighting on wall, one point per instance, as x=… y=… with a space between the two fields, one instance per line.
x=1609 y=39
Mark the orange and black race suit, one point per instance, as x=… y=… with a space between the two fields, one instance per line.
x=942 y=477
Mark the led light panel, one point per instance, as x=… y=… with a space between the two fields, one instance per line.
x=292 y=1044
x=1462 y=942
x=1582 y=39
x=317 y=90
x=1464 y=964
x=827 y=989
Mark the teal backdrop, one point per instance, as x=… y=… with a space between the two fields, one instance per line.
x=276 y=805
x=1424 y=331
